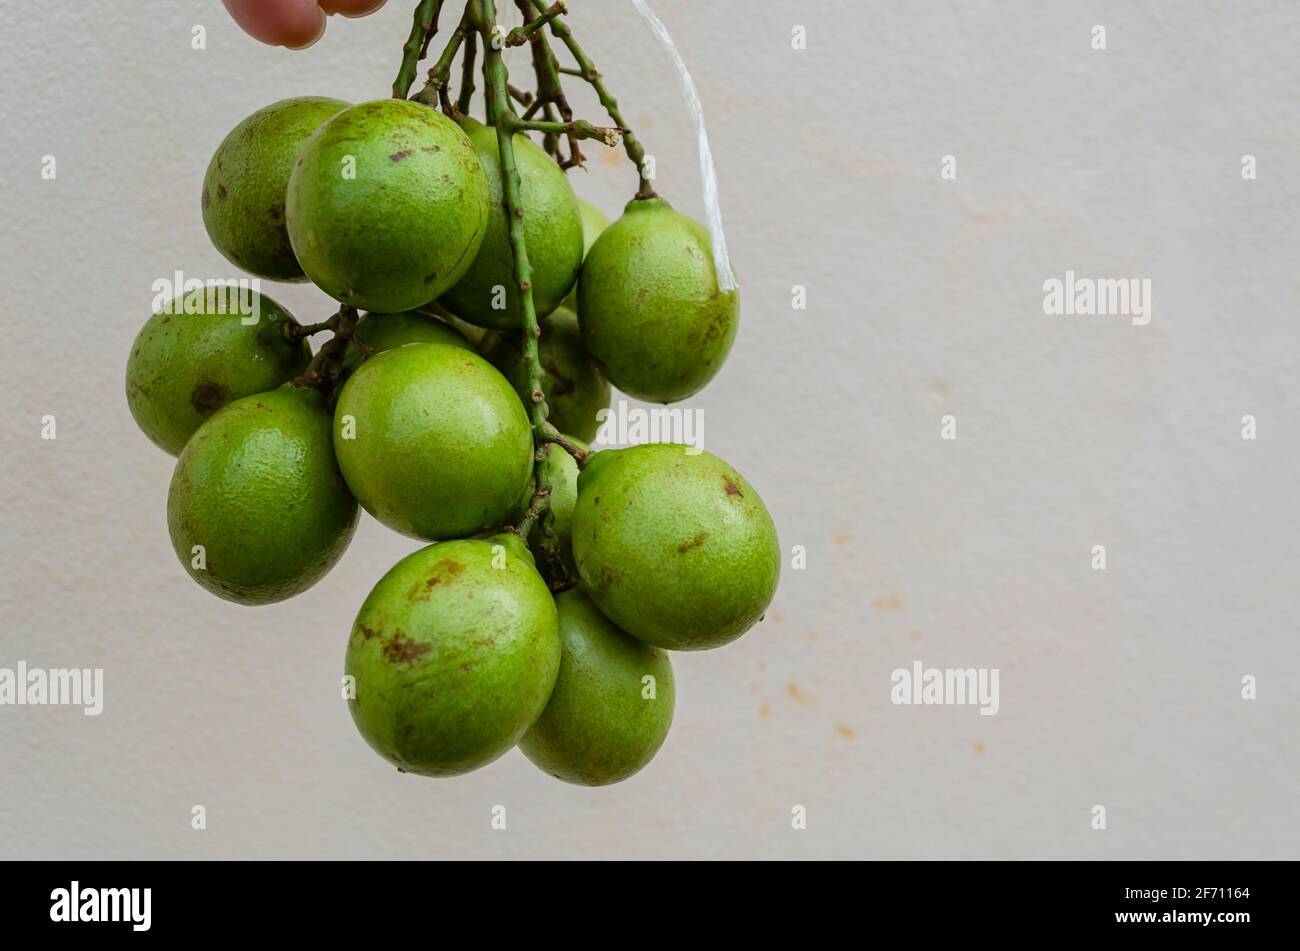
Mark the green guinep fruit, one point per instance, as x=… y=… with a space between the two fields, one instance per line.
x=650 y=307
x=675 y=548
x=243 y=191
x=575 y=388
x=198 y=354
x=387 y=205
x=455 y=653
x=552 y=230
x=258 y=489
x=382 y=332
x=605 y=720
x=594 y=224
x=433 y=441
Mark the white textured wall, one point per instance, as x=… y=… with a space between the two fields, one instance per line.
x=1118 y=688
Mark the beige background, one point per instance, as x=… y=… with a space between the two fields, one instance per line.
x=1118 y=688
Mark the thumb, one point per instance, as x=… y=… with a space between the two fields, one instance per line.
x=296 y=24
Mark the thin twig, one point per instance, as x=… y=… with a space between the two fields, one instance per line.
x=580 y=129
x=326 y=366
x=435 y=89
x=588 y=71
x=551 y=91
x=551 y=141
x=522 y=34
x=295 y=331
x=467 y=74
x=553 y=435
x=423 y=28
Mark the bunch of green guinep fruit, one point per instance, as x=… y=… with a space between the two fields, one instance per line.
x=463 y=649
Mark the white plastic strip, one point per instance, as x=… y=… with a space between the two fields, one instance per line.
x=726 y=277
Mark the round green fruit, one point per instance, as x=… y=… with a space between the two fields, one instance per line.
x=258 y=489
x=433 y=441
x=198 y=354
x=605 y=720
x=552 y=230
x=243 y=191
x=575 y=388
x=594 y=224
x=674 y=546
x=650 y=307
x=382 y=332
x=387 y=205
x=455 y=653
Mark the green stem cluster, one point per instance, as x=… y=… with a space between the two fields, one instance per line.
x=550 y=97
x=587 y=70
x=478 y=26
x=435 y=92
x=422 y=30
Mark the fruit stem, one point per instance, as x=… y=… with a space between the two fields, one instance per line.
x=501 y=111
x=435 y=92
x=551 y=142
x=325 y=367
x=423 y=28
x=523 y=34
x=550 y=95
x=580 y=129
x=538 y=506
x=523 y=97
x=580 y=456
x=467 y=74
x=587 y=70
x=297 y=331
